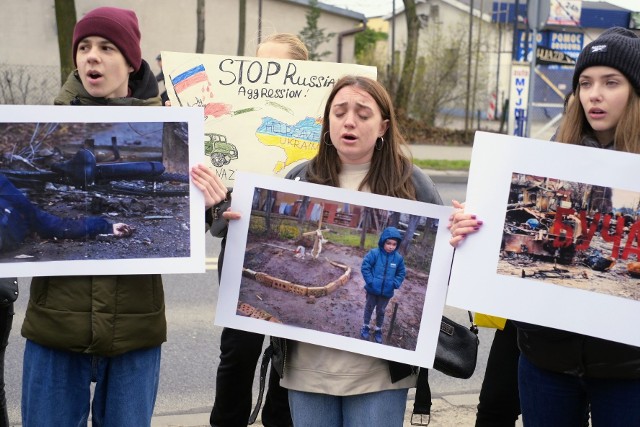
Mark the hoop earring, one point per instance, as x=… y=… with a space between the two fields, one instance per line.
x=324 y=139
x=379 y=147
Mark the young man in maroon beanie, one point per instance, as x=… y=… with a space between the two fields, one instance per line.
x=102 y=329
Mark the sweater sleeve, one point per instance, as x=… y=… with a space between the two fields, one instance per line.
x=425 y=188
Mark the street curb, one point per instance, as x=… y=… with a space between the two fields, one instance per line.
x=447 y=177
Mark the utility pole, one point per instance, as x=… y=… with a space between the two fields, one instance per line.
x=475 y=72
x=537 y=16
x=469 y=54
x=392 y=73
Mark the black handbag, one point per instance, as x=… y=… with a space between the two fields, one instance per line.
x=8 y=290
x=457 y=350
x=456 y=356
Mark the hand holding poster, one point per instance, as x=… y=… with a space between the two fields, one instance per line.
x=559 y=246
x=261 y=115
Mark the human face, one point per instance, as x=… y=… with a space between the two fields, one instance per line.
x=390 y=245
x=355 y=123
x=103 y=69
x=274 y=50
x=604 y=94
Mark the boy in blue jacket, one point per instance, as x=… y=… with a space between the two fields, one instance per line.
x=383 y=272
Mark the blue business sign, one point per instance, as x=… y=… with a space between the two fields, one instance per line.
x=566 y=42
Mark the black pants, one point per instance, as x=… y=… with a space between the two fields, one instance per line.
x=6 y=320
x=239 y=355
x=499 y=402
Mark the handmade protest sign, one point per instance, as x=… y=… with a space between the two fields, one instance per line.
x=261 y=115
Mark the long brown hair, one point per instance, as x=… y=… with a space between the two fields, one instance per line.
x=575 y=127
x=391 y=168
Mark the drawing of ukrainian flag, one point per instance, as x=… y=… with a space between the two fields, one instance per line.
x=189 y=78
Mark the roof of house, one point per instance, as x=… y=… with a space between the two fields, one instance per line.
x=487 y=6
x=331 y=9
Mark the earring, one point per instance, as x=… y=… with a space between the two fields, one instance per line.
x=324 y=139
x=379 y=147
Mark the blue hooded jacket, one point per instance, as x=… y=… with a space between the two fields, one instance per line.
x=383 y=272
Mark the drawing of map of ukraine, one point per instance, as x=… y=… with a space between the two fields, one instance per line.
x=299 y=141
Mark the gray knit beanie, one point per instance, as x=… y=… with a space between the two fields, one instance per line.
x=617 y=48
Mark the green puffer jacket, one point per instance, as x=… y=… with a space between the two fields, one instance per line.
x=101 y=315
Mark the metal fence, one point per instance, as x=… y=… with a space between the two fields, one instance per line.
x=28 y=84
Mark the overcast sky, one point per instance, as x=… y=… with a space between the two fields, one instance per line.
x=381 y=7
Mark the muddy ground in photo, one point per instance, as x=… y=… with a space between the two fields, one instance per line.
x=161 y=227
x=161 y=223
x=340 y=312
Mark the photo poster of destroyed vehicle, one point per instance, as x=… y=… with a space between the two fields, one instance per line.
x=98 y=190
x=295 y=268
x=261 y=115
x=560 y=242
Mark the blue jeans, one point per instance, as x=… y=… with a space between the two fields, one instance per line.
x=550 y=399
x=380 y=409
x=56 y=387
x=380 y=304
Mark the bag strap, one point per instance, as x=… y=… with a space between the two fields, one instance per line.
x=474 y=327
x=421 y=415
x=264 y=365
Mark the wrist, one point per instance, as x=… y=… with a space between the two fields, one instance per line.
x=219 y=208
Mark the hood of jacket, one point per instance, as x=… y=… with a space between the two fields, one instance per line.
x=389 y=233
x=143 y=87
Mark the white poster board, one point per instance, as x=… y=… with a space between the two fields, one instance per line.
x=53 y=224
x=273 y=284
x=559 y=238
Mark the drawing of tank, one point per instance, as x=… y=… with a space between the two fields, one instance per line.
x=220 y=151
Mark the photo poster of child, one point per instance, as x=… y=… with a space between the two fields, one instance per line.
x=316 y=264
x=99 y=191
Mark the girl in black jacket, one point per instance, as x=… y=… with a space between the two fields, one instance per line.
x=563 y=374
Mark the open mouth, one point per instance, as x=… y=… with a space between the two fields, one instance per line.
x=94 y=75
x=349 y=137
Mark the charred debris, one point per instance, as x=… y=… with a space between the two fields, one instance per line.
x=567 y=223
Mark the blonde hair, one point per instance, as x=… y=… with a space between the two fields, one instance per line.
x=297 y=49
x=575 y=127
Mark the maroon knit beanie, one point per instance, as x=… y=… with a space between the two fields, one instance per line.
x=119 y=26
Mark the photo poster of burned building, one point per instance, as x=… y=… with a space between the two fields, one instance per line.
x=293 y=267
x=97 y=190
x=572 y=234
x=559 y=246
